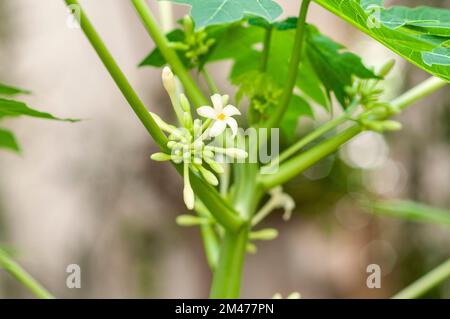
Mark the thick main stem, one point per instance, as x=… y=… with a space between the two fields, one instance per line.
x=168 y=53
x=426 y=283
x=227 y=277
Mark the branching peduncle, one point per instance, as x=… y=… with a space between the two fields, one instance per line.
x=320 y=131
x=298 y=164
x=293 y=66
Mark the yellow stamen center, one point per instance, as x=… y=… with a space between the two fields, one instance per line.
x=221 y=117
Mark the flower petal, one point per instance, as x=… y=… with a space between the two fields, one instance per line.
x=217 y=102
x=231 y=122
x=231 y=110
x=207 y=111
x=217 y=128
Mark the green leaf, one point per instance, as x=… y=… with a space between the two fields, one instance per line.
x=8 y=141
x=333 y=64
x=439 y=56
x=11 y=108
x=408 y=32
x=410 y=211
x=10 y=90
x=286 y=24
x=212 y=12
x=434 y=21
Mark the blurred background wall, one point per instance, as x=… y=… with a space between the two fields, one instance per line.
x=88 y=194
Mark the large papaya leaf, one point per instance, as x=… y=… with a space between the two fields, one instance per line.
x=212 y=12
x=420 y=35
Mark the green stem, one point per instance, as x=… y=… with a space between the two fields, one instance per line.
x=122 y=82
x=298 y=164
x=222 y=211
x=210 y=81
x=227 y=277
x=169 y=55
x=420 y=91
x=209 y=236
x=293 y=66
x=266 y=49
x=319 y=132
x=23 y=277
x=426 y=283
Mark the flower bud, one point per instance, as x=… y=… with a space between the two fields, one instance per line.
x=392 y=125
x=161 y=157
x=216 y=167
x=208 y=176
x=251 y=248
x=190 y=220
x=185 y=105
x=236 y=153
x=264 y=234
x=188 y=196
x=169 y=81
x=386 y=68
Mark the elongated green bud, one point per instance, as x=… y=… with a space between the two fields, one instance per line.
x=386 y=68
x=264 y=234
x=208 y=176
x=161 y=157
x=190 y=220
x=251 y=248
x=216 y=167
x=188 y=24
x=188 y=193
x=185 y=105
x=236 y=153
x=179 y=46
x=169 y=81
x=392 y=125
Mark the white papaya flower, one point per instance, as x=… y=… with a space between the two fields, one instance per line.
x=222 y=116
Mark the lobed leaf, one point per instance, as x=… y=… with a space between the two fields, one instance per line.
x=213 y=12
x=416 y=34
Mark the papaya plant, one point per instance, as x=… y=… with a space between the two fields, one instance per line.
x=282 y=70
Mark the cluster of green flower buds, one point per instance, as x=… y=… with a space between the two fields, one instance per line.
x=190 y=142
x=375 y=110
x=196 y=42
